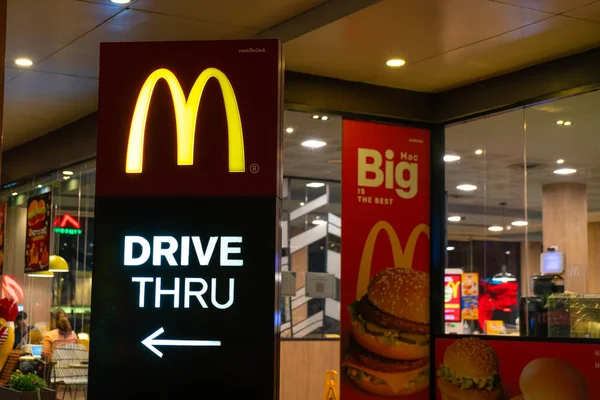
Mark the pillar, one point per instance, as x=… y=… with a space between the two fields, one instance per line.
x=594 y=257
x=530 y=264
x=565 y=224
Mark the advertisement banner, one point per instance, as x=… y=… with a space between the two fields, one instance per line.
x=2 y=228
x=37 y=242
x=385 y=262
x=470 y=296
x=499 y=369
x=452 y=297
x=187 y=225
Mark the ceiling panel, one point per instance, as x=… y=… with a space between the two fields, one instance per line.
x=548 y=39
x=256 y=14
x=359 y=45
x=552 y=6
x=590 y=12
x=81 y=57
x=19 y=129
x=10 y=73
x=46 y=96
x=36 y=29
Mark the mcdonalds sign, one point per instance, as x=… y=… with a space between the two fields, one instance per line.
x=187 y=218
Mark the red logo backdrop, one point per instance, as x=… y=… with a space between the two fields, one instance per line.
x=385 y=215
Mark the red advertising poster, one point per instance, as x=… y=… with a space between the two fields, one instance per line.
x=2 y=224
x=37 y=242
x=452 y=296
x=473 y=368
x=385 y=262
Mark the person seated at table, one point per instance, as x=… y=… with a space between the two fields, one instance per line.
x=21 y=330
x=63 y=334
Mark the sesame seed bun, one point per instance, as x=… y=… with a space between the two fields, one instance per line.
x=401 y=292
x=471 y=357
x=552 y=379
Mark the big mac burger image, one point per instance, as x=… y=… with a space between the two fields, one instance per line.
x=389 y=351
x=469 y=372
x=552 y=379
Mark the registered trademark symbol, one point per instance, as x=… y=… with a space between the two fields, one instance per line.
x=254 y=168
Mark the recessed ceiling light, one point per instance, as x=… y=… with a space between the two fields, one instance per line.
x=121 y=1
x=66 y=178
x=495 y=228
x=565 y=171
x=567 y=123
x=479 y=152
x=68 y=173
x=319 y=222
x=450 y=248
x=315 y=184
x=451 y=157
x=507 y=252
x=455 y=218
x=290 y=130
x=301 y=203
x=560 y=122
x=39 y=186
x=314 y=144
x=467 y=187
x=395 y=62
x=14 y=193
x=316 y=116
x=24 y=62
x=519 y=223
x=324 y=118
x=560 y=161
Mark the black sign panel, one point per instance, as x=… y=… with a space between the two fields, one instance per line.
x=180 y=289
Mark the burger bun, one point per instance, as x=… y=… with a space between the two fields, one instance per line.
x=552 y=379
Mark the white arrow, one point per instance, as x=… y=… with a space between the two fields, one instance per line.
x=151 y=341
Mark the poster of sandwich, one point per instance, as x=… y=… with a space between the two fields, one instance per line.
x=2 y=228
x=474 y=368
x=385 y=330
x=37 y=242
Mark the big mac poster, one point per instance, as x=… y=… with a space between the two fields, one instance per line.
x=385 y=262
x=37 y=242
x=474 y=368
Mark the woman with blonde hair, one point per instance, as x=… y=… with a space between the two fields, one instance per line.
x=62 y=334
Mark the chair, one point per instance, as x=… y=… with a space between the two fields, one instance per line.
x=10 y=366
x=69 y=368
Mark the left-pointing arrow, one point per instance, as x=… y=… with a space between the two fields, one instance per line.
x=151 y=341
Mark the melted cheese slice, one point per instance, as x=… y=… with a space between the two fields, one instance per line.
x=397 y=381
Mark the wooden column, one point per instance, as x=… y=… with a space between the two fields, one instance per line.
x=594 y=257
x=3 y=6
x=564 y=224
x=530 y=264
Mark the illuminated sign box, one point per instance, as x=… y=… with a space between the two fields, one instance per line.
x=187 y=220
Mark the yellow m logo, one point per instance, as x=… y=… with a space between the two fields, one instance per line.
x=186 y=113
x=402 y=258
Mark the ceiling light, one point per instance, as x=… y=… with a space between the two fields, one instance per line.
x=314 y=144
x=324 y=118
x=301 y=203
x=451 y=157
x=41 y=274
x=560 y=161
x=316 y=116
x=565 y=171
x=290 y=130
x=39 y=186
x=450 y=248
x=507 y=252
x=315 y=184
x=467 y=187
x=15 y=193
x=455 y=218
x=395 y=62
x=121 y=1
x=23 y=62
x=68 y=173
x=319 y=222
x=560 y=122
x=479 y=152
x=519 y=223
x=66 y=178
x=567 y=123
x=495 y=228
x=508 y=227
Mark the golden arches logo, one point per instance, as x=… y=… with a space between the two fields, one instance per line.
x=403 y=258
x=186 y=114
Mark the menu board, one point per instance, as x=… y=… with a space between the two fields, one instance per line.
x=452 y=294
x=37 y=242
x=385 y=262
x=2 y=225
x=470 y=294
